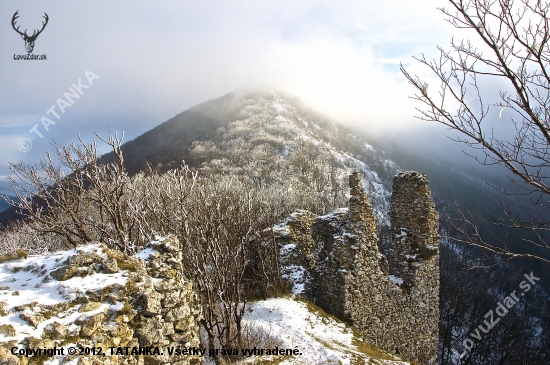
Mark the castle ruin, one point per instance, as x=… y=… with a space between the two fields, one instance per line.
x=393 y=301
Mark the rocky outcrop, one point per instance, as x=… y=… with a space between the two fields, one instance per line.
x=394 y=303
x=151 y=304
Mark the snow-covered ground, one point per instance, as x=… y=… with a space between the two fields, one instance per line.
x=289 y=323
x=26 y=282
x=320 y=338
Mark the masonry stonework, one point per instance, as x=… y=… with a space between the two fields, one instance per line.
x=394 y=301
x=168 y=310
x=157 y=307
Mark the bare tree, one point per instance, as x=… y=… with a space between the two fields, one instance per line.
x=224 y=223
x=75 y=196
x=225 y=218
x=512 y=49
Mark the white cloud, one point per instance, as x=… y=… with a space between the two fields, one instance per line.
x=158 y=59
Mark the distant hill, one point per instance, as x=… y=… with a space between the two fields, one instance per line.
x=3 y=205
x=274 y=138
x=5 y=189
x=256 y=119
x=268 y=137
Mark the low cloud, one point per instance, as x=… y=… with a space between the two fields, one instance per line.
x=156 y=60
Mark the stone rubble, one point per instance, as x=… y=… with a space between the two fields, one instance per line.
x=156 y=307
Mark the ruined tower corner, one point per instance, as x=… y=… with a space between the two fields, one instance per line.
x=361 y=215
x=415 y=259
x=350 y=278
x=414 y=220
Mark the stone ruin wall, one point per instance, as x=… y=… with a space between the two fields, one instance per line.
x=160 y=309
x=167 y=307
x=346 y=275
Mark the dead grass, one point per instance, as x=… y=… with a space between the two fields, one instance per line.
x=19 y=254
x=258 y=337
x=7 y=330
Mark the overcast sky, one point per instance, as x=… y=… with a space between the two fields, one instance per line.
x=151 y=60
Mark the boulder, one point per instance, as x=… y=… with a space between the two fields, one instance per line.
x=55 y=331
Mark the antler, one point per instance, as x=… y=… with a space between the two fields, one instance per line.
x=43 y=26
x=34 y=34
x=15 y=16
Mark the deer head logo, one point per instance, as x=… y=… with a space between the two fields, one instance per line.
x=29 y=40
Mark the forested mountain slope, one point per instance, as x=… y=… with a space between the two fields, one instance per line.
x=270 y=138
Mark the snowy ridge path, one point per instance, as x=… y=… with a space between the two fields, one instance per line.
x=320 y=338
